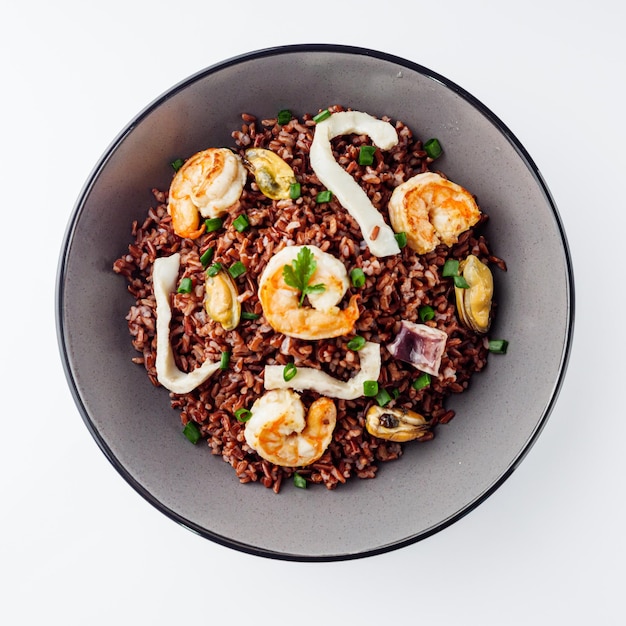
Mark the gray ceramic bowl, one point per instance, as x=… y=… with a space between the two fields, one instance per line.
x=434 y=484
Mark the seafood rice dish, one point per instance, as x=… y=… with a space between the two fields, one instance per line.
x=311 y=295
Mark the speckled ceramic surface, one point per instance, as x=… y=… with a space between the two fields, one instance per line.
x=433 y=484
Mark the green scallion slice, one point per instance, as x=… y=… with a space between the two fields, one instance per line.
x=366 y=155
x=299 y=481
x=243 y=415
x=237 y=269
x=383 y=397
x=426 y=313
x=395 y=393
x=498 y=346
x=401 y=239
x=214 y=269
x=433 y=148
x=321 y=116
x=241 y=223
x=192 y=432
x=295 y=189
x=357 y=277
x=185 y=285
x=370 y=388
x=213 y=224
x=356 y=343
x=284 y=117
x=460 y=282
x=324 y=196
x=289 y=372
x=177 y=164
x=207 y=256
x=249 y=315
x=224 y=360
x=450 y=268
x=423 y=380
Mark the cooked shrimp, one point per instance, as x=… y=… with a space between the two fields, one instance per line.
x=280 y=433
x=431 y=210
x=207 y=185
x=323 y=318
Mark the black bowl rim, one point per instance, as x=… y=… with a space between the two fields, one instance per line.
x=242 y=58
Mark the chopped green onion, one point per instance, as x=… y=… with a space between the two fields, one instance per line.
x=324 y=196
x=357 y=277
x=299 y=481
x=207 y=256
x=284 y=117
x=237 y=269
x=383 y=397
x=213 y=224
x=177 y=164
x=366 y=155
x=401 y=239
x=370 y=388
x=426 y=313
x=460 y=282
x=423 y=380
x=249 y=315
x=321 y=116
x=450 y=268
x=295 y=190
x=498 y=346
x=185 y=285
x=224 y=360
x=289 y=372
x=243 y=415
x=241 y=222
x=214 y=269
x=356 y=343
x=192 y=432
x=395 y=393
x=433 y=148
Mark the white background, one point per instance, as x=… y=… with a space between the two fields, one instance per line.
x=79 y=546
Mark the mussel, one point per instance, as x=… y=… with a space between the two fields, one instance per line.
x=221 y=300
x=395 y=424
x=474 y=302
x=273 y=175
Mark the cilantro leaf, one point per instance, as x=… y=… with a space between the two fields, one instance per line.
x=300 y=272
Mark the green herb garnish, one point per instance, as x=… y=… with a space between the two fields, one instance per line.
x=370 y=388
x=401 y=239
x=177 y=164
x=224 y=360
x=207 y=257
x=433 y=148
x=426 y=313
x=366 y=155
x=423 y=380
x=356 y=343
x=498 y=346
x=185 y=285
x=284 y=117
x=192 y=432
x=321 y=116
x=324 y=196
x=299 y=481
x=289 y=372
x=357 y=277
x=300 y=272
x=237 y=269
x=295 y=190
x=383 y=397
x=243 y=415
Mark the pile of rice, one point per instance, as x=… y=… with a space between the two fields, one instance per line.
x=395 y=289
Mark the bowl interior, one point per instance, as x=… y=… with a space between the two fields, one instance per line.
x=433 y=484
